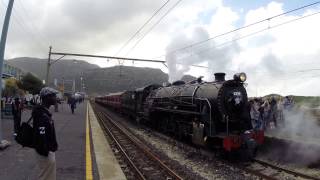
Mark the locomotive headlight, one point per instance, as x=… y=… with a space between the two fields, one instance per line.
x=240 y=77
x=243 y=77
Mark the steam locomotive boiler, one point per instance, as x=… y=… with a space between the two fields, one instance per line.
x=215 y=113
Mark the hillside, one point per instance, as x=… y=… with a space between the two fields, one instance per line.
x=64 y=68
x=309 y=101
x=114 y=79
x=96 y=80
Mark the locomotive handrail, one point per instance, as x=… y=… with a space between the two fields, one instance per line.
x=177 y=111
x=166 y=97
x=194 y=92
x=210 y=107
x=210 y=113
x=180 y=105
x=173 y=99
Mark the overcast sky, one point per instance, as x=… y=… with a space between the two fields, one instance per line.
x=281 y=60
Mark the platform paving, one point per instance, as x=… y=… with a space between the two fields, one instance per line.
x=17 y=163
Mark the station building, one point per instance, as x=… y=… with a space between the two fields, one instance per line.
x=11 y=71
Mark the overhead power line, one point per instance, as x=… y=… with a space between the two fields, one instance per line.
x=32 y=33
x=251 y=34
x=243 y=27
x=105 y=57
x=36 y=28
x=4 y=5
x=63 y=54
x=154 y=25
x=135 y=34
x=26 y=29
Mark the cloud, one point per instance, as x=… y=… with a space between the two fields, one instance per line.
x=273 y=58
x=102 y=26
x=77 y=26
x=218 y=59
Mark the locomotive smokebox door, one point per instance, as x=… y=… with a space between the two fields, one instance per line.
x=197 y=135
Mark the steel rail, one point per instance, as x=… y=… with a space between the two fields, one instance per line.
x=144 y=149
x=141 y=146
x=107 y=130
x=285 y=170
x=257 y=173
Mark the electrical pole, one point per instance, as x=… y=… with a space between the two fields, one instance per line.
x=48 y=66
x=4 y=143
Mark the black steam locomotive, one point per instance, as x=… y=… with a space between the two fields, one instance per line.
x=215 y=113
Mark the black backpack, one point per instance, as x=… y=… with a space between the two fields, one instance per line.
x=25 y=134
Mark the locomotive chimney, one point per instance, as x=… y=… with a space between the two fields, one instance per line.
x=219 y=76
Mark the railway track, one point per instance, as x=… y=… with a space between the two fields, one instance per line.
x=270 y=171
x=143 y=164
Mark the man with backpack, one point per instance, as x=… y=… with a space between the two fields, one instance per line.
x=44 y=139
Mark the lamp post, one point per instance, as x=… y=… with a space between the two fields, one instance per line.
x=81 y=83
x=73 y=86
x=62 y=85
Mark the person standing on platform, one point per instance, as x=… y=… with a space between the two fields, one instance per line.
x=274 y=112
x=44 y=141
x=255 y=113
x=72 y=102
x=16 y=112
x=56 y=107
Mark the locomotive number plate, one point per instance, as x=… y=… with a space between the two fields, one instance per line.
x=237 y=93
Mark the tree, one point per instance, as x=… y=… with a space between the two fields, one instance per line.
x=11 y=89
x=30 y=83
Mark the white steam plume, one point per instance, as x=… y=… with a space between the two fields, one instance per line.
x=218 y=59
x=300 y=125
x=303 y=130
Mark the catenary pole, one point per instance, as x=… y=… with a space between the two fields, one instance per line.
x=48 y=66
x=2 y=50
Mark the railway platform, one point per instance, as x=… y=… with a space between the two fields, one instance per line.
x=83 y=151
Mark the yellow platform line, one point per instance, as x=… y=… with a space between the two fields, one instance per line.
x=88 y=149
